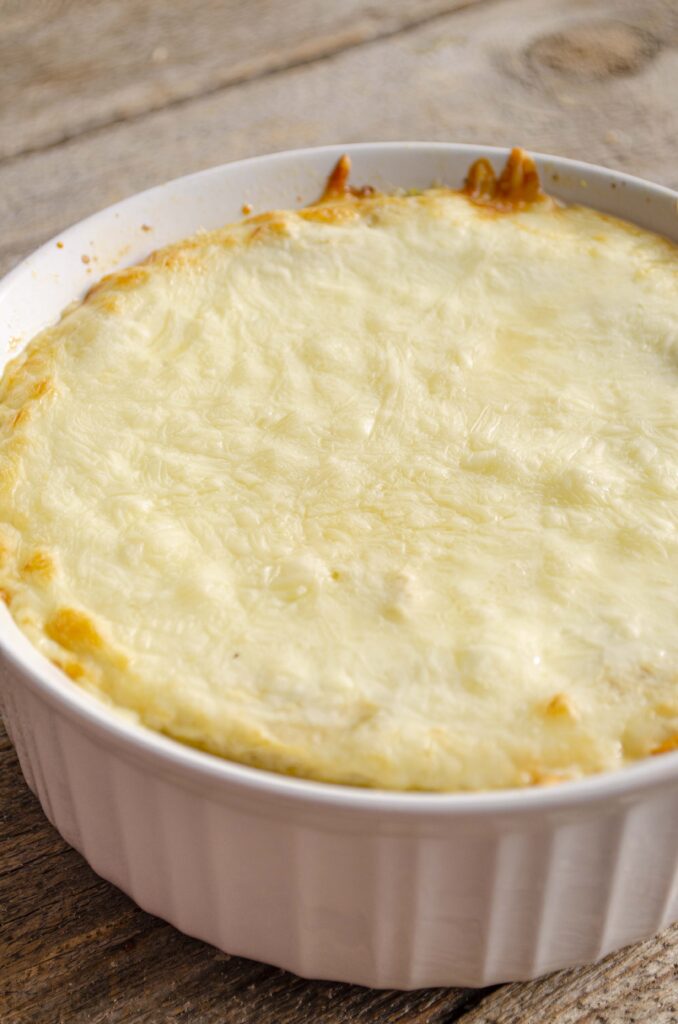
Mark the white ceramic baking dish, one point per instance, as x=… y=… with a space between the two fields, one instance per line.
x=379 y=888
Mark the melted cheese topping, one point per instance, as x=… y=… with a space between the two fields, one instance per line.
x=384 y=492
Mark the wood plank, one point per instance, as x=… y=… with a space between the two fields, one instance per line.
x=74 y=949
x=475 y=75
x=639 y=985
x=70 y=65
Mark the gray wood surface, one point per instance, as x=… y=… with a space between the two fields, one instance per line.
x=72 y=65
x=476 y=74
x=100 y=99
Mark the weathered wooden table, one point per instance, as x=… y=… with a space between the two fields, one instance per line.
x=101 y=98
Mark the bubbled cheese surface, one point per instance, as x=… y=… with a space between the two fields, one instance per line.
x=383 y=493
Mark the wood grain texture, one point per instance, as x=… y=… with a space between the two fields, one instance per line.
x=111 y=96
x=637 y=986
x=470 y=76
x=70 y=65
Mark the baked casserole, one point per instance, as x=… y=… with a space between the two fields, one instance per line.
x=382 y=492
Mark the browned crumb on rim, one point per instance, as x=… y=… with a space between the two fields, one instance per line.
x=337 y=186
x=517 y=186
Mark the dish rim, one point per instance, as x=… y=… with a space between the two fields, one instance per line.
x=136 y=739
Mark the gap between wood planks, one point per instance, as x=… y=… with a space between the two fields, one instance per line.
x=472 y=1000
x=255 y=69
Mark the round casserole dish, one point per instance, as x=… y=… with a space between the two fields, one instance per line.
x=376 y=888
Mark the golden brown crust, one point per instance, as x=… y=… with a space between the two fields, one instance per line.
x=268 y=225
x=20 y=417
x=73 y=630
x=560 y=706
x=667 y=746
x=131 y=277
x=72 y=669
x=332 y=213
x=39 y=565
x=42 y=387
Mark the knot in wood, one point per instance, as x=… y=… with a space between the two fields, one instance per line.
x=595 y=49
